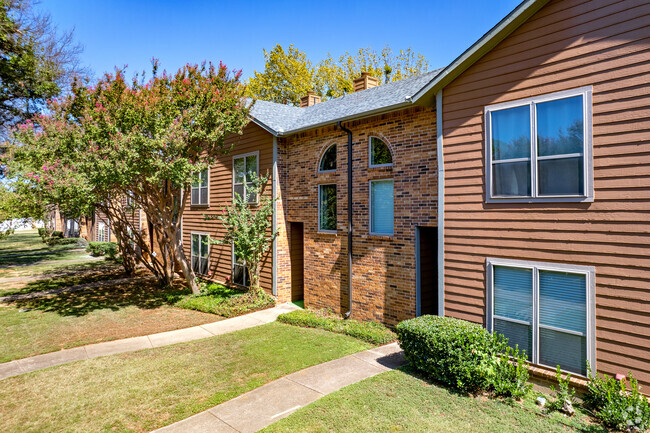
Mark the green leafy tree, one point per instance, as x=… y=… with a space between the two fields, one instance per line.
x=248 y=228
x=144 y=139
x=289 y=75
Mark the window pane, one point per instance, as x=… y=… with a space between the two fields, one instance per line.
x=381 y=198
x=327 y=207
x=328 y=162
x=195 y=196
x=204 y=266
x=513 y=293
x=564 y=176
x=240 y=170
x=252 y=198
x=204 y=178
x=251 y=167
x=560 y=127
x=204 y=246
x=204 y=196
x=511 y=133
x=379 y=152
x=511 y=179
x=563 y=300
x=517 y=334
x=195 y=264
x=239 y=190
x=195 y=245
x=566 y=350
x=238 y=274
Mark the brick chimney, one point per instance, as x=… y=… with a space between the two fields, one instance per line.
x=309 y=100
x=365 y=81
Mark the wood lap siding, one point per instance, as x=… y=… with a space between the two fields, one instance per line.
x=253 y=139
x=567 y=44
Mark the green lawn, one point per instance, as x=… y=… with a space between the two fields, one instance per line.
x=90 y=316
x=27 y=240
x=144 y=390
x=400 y=402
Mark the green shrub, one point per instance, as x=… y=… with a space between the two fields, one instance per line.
x=108 y=249
x=51 y=241
x=509 y=375
x=452 y=351
x=42 y=232
x=57 y=234
x=372 y=332
x=226 y=301
x=615 y=405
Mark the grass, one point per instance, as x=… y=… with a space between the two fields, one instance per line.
x=371 y=332
x=401 y=402
x=27 y=240
x=82 y=263
x=91 y=316
x=144 y=390
x=227 y=301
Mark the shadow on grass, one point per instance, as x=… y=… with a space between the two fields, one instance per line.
x=591 y=427
x=84 y=274
x=141 y=294
x=34 y=259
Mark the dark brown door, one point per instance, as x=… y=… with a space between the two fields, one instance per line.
x=428 y=270
x=297 y=252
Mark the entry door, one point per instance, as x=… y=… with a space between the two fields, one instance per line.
x=427 y=270
x=297 y=253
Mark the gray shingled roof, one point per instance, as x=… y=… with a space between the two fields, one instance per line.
x=283 y=119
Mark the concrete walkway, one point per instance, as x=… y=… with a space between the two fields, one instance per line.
x=39 y=362
x=269 y=403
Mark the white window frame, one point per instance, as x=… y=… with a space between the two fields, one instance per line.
x=320 y=230
x=320 y=161
x=257 y=164
x=205 y=234
x=370 y=208
x=207 y=187
x=370 y=164
x=587 y=154
x=590 y=278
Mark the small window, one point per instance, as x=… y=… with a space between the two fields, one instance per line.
x=200 y=252
x=328 y=161
x=379 y=153
x=381 y=207
x=540 y=148
x=545 y=309
x=102 y=232
x=200 y=189
x=239 y=271
x=245 y=169
x=327 y=208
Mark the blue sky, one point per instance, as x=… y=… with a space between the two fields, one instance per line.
x=119 y=32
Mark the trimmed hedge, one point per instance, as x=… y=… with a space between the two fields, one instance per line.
x=108 y=249
x=452 y=351
x=51 y=241
x=57 y=234
x=370 y=332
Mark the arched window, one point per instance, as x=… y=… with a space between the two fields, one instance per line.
x=328 y=161
x=379 y=153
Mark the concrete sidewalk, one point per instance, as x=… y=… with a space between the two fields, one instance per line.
x=269 y=403
x=39 y=362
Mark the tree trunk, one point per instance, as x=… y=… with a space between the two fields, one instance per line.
x=186 y=269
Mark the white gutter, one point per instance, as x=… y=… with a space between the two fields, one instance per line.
x=441 y=206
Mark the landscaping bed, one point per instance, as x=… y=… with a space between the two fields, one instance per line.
x=226 y=301
x=371 y=332
x=141 y=391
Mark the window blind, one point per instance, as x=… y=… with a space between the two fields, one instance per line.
x=381 y=197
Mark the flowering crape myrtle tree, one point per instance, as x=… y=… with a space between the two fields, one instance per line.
x=247 y=227
x=146 y=140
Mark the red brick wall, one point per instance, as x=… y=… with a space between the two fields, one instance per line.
x=383 y=267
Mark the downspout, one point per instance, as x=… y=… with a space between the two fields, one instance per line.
x=441 y=207
x=274 y=187
x=338 y=124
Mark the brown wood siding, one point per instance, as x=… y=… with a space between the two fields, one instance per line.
x=253 y=139
x=567 y=44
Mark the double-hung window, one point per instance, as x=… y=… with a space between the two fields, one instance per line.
x=245 y=169
x=540 y=149
x=381 y=207
x=327 y=208
x=200 y=253
x=200 y=189
x=546 y=309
